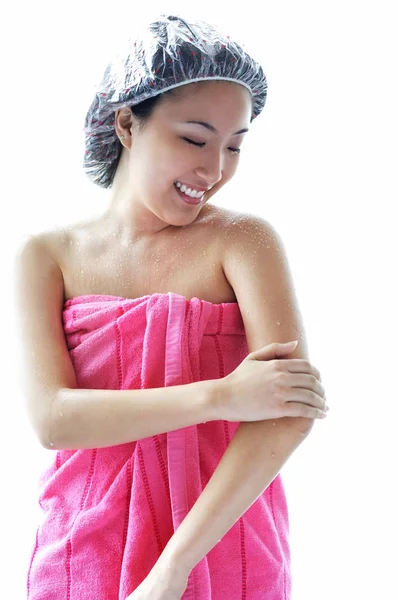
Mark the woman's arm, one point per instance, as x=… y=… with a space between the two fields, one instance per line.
x=252 y=460
x=256 y=266
x=64 y=416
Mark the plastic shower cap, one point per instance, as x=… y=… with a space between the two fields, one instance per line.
x=170 y=53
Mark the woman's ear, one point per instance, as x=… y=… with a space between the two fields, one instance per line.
x=124 y=122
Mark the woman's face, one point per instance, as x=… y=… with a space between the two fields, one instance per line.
x=163 y=152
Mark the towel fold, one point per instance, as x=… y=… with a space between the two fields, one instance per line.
x=108 y=513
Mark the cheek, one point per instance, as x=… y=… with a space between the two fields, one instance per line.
x=227 y=174
x=173 y=160
x=233 y=166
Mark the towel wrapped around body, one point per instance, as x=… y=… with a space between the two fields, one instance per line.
x=108 y=513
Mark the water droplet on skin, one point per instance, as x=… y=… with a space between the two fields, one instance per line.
x=272 y=455
x=273 y=423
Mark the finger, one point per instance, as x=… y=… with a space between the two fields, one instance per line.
x=305 y=381
x=297 y=409
x=305 y=396
x=299 y=365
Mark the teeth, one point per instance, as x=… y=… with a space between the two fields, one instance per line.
x=188 y=191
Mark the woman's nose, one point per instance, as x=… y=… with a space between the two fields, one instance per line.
x=212 y=169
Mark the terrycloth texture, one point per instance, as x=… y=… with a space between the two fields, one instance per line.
x=109 y=512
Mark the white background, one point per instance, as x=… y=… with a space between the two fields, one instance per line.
x=320 y=163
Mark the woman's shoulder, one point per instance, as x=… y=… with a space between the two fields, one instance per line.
x=58 y=240
x=219 y=222
x=224 y=218
x=232 y=224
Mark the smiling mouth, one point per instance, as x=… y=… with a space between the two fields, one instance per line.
x=188 y=199
x=178 y=185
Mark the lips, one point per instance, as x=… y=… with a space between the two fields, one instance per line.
x=187 y=199
x=193 y=186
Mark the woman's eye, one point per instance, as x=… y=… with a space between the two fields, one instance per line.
x=201 y=144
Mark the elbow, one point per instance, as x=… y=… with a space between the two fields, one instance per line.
x=47 y=431
x=46 y=436
x=40 y=429
x=41 y=432
x=45 y=440
x=45 y=443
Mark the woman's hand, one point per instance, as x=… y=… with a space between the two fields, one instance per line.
x=267 y=386
x=162 y=583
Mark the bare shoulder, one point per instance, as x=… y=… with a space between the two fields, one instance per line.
x=241 y=237
x=55 y=242
x=242 y=231
x=256 y=265
x=35 y=263
x=40 y=257
x=230 y=222
x=38 y=244
x=254 y=248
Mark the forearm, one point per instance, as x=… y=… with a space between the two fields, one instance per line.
x=92 y=418
x=252 y=460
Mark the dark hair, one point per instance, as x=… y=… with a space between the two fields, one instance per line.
x=142 y=112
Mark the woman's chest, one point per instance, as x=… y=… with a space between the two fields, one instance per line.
x=187 y=265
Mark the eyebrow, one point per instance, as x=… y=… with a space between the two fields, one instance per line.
x=213 y=129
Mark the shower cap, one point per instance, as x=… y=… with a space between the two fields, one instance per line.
x=169 y=53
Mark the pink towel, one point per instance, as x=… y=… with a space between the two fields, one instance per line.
x=109 y=512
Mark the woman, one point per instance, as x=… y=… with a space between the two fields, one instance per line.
x=156 y=362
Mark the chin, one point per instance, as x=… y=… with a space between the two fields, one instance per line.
x=178 y=220
x=188 y=219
